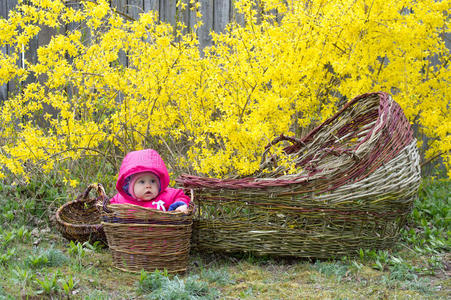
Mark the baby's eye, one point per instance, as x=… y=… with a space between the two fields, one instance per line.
x=153 y=180
x=141 y=181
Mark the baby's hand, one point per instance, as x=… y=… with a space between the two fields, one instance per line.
x=183 y=209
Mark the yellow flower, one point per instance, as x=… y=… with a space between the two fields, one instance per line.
x=132 y=84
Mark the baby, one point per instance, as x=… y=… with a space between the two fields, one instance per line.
x=143 y=180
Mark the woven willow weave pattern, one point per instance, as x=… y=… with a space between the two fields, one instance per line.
x=147 y=239
x=359 y=177
x=79 y=220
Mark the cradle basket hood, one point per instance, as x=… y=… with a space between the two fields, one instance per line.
x=147 y=160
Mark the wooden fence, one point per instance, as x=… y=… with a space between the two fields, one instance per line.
x=215 y=13
x=215 y=16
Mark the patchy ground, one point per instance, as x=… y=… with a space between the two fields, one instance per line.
x=37 y=262
x=44 y=264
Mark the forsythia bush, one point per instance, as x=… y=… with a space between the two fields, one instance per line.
x=212 y=112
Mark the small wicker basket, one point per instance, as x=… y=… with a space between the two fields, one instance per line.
x=147 y=239
x=79 y=220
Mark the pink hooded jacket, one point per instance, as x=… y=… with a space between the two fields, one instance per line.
x=147 y=161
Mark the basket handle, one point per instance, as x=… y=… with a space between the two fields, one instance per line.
x=284 y=137
x=101 y=195
x=280 y=138
x=105 y=203
x=84 y=196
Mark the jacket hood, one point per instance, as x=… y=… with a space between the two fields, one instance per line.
x=134 y=162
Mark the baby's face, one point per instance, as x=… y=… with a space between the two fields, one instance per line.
x=146 y=187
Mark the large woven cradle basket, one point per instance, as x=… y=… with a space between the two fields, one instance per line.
x=359 y=179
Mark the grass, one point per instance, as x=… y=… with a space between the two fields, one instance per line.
x=35 y=261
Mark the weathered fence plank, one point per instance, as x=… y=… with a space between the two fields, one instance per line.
x=119 y=5
x=151 y=5
x=221 y=15
x=3 y=50
x=170 y=12
x=206 y=9
x=134 y=8
x=3 y=9
x=3 y=87
x=70 y=90
x=12 y=85
x=186 y=16
x=235 y=16
x=192 y=17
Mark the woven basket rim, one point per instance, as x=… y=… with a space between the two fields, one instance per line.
x=64 y=223
x=126 y=206
x=267 y=183
x=144 y=225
